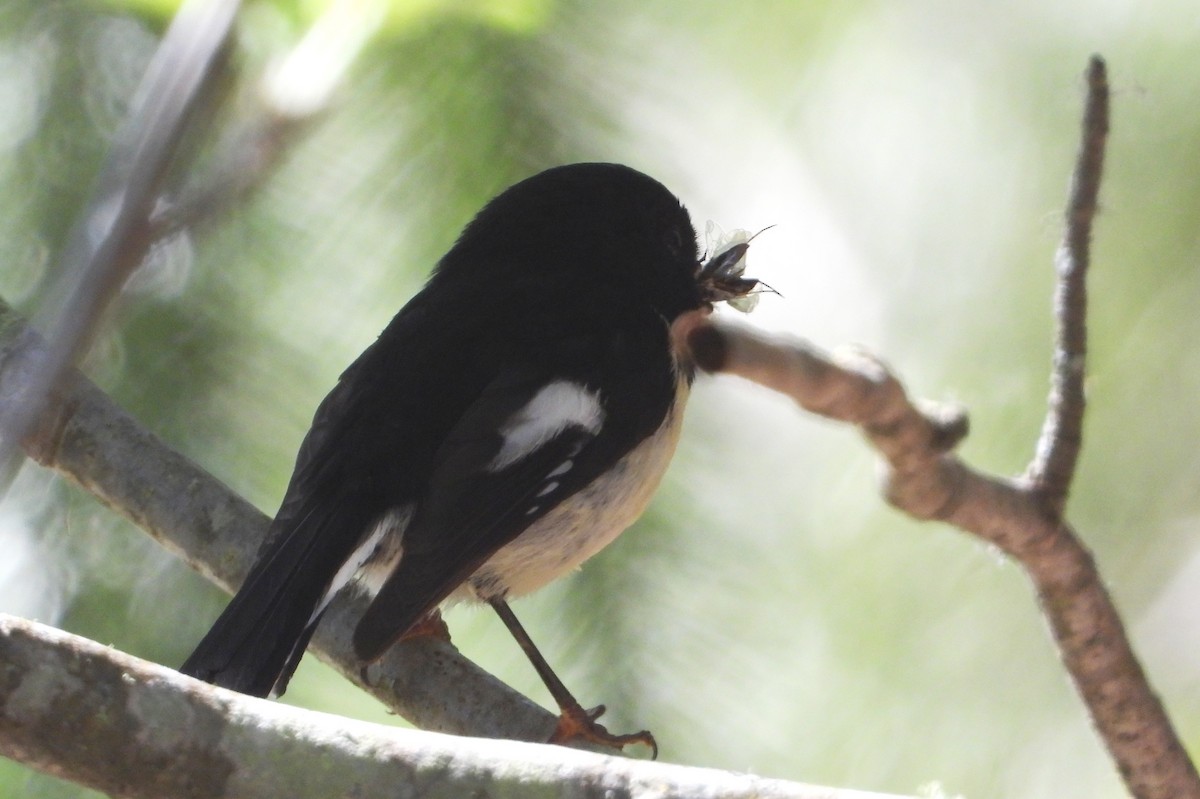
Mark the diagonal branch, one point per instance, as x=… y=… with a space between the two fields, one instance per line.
x=925 y=481
x=129 y=211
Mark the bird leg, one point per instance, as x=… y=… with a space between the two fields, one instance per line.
x=574 y=722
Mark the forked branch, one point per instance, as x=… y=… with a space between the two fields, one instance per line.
x=1021 y=516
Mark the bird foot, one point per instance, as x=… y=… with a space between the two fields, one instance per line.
x=576 y=724
x=430 y=624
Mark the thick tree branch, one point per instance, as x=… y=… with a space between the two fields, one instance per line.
x=134 y=729
x=1023 y=516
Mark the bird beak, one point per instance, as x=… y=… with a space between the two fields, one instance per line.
x=721 y=278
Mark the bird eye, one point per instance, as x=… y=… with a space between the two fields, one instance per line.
x=675 y=241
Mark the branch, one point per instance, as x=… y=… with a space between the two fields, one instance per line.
x=86 y=437
x=1062 y=433
x=298 y=87
x=130 y=728
x=1021 y=516
x=928 y=483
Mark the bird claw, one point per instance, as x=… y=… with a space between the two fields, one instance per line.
x=575 y=724
x=430 y=625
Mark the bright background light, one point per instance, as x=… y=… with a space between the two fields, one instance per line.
x=770 y=613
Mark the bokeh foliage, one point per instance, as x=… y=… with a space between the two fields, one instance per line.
x=769 y=613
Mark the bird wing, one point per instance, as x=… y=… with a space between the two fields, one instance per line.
x=530 y=441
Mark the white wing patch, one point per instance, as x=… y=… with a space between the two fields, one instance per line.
x=557 y=406
x=392 y=525
x=578 y=526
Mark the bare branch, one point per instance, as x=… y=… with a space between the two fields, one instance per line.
x=299 y=86
x=1021 y=517
x=88 y=713
x=1057 y=452
x=922 y=479
x=926 y=482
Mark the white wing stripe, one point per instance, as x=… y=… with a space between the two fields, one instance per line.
x=556 y=407
x=392 y=522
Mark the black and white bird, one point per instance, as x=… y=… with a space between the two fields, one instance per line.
x=511 y=421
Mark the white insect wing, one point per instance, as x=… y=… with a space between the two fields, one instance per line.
x=717 y=242
x=745 y=303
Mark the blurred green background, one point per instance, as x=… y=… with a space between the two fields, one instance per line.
x=769 y=613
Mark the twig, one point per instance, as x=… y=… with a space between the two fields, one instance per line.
x=298 y=87
x=83 y=711
x=240 y=163
x=1057 y=451
x=1021 y=517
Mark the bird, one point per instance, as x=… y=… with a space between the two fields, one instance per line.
x=512 y=419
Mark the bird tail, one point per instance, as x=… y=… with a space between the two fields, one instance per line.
x=256 y=644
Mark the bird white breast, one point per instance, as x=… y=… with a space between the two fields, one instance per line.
x=582 y=524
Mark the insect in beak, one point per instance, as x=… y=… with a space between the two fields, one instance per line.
x=721 y=277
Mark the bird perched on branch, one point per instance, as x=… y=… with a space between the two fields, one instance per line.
x=512 y=419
